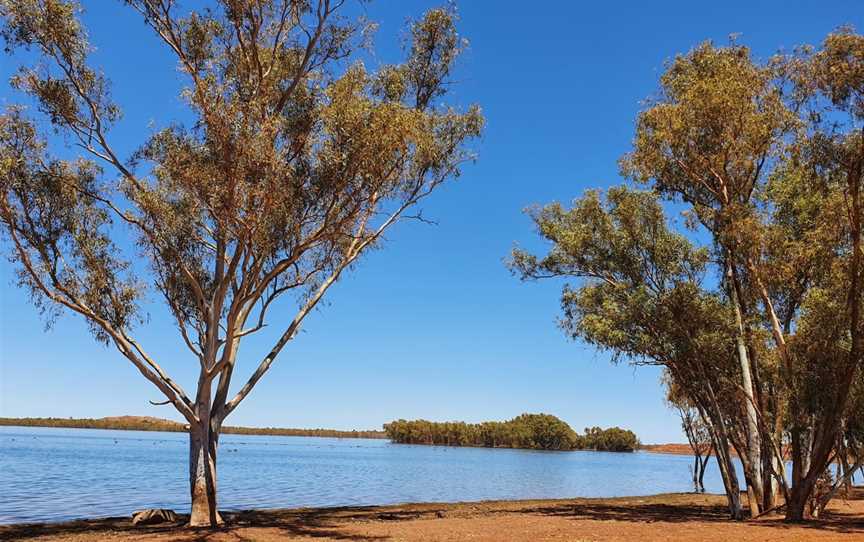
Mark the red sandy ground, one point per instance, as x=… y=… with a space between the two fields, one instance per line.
x=686 y=517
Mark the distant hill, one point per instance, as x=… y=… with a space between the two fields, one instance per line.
x=150 y=423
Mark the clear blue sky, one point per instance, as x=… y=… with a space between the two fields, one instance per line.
x=432 y=326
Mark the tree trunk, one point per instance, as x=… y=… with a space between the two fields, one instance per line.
x=753 y=469
x=780 y=481
x=702 y=469
x=796 y=508
x=202 y=476
x=730 y=482
x=717 y=429
x=697 y=462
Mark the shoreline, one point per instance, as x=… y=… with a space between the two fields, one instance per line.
x=157 y=425
x=692 y=517
x=174 y=427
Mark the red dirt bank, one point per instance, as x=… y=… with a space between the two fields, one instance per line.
x=677 y=449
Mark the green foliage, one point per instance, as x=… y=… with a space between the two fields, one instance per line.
x=613 y=439
x=707 y=137
x=641 y=294
x=531 y=431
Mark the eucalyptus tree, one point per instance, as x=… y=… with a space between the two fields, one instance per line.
x=769 y=159
x=814 y=260
x=695 y=428
x=775 y=177
x=708 y=139
x=296 y=161
x=639 y=295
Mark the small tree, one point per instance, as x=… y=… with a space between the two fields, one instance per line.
x=293 y=167
x=695 y=428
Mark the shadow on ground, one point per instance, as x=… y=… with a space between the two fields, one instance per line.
x=329 y=523
x=336 y=523
x=837 y=520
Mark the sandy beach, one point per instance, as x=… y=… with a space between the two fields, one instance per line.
x=685 y=517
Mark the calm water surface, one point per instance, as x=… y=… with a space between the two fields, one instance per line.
x=49 y=474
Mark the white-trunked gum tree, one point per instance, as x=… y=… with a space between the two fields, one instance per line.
x=297 y=161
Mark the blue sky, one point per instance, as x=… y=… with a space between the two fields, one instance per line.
x=433 y=325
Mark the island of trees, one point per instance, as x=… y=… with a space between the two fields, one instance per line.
x=531 y=431
x=149 y=423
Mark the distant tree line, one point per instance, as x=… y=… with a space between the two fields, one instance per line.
x=530 y=431
x=134 y=423
x=294 y=432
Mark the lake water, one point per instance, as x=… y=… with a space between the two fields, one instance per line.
x=49 y=474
